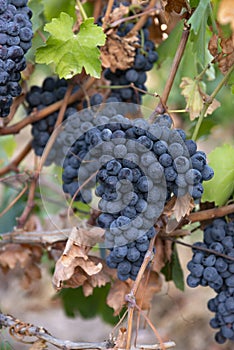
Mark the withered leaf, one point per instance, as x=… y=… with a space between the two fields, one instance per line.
x=147 y=289
x=225 y=57
x=116 y=296
x=193 y=91
x=159 y=260
x=85 y=237
x=164 y=253
x=183 y=206
x=175 y=5
x=24 y=257
x=74 y=256
x=118 y=13
x=119 y=53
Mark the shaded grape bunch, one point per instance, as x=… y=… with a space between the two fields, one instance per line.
x=51 y=91
x=217 y=272
x=136 y=167
x=15 y=40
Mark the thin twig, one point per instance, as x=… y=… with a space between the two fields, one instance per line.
x=13 y=165
x=38 y=115
x=107 y=14
x=175 y=64
x=192 y=246
x=15 y=200
x=30 y=202
x=97 y=9
x=147 y=259
x=152 y=327
x=143 y=19
x=129 y=18
x=56 y=129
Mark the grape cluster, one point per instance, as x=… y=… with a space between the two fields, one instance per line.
x=52 y=90
x=15 y=40
x=138 y=166
x=217 y=272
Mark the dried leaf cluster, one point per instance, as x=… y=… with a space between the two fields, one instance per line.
x=23 y=257
x=119 y=52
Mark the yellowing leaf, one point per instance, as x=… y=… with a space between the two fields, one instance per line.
x=190 y=90
x=193 y=91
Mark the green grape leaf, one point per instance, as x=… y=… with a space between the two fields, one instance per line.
x=53 y=8
x=221 y=187
x=75 y=302
x=168 y=47
x=198 y=23
x=37 y=10
x=71 y=52
x=7 y=147
x=197 y=18
x=173 y=271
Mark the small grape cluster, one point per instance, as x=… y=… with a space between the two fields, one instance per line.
x=211 y=269
x=145 y=57
x=138 y=166
x=15 y=40
x=52 y=90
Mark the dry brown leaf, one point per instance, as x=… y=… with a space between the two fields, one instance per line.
x=159 y=260
x=119 y=53
x=116 y=296
x=225 y=58
x=13 y=255
x=22 y=256
x=175 y=5
x=118 y=13
x=226 y=13
x=78 y=279
x=147 y=289
x=183 y=206
x=75 y=267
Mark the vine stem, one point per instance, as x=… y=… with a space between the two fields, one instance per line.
x=211 y=213
x=107 y=14
x=143 y=19
x=51 y=237
x=38 y=115
x=13 y=165
x=19 y=329
x=175 y=64
x=56 y=127
x=208 y=102
x=131 y=296
x=192 y=246
x=81 y=9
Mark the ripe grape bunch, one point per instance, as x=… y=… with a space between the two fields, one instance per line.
x=15 y=40
x=51 y=91
x=138 y=167
x=210 y=269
